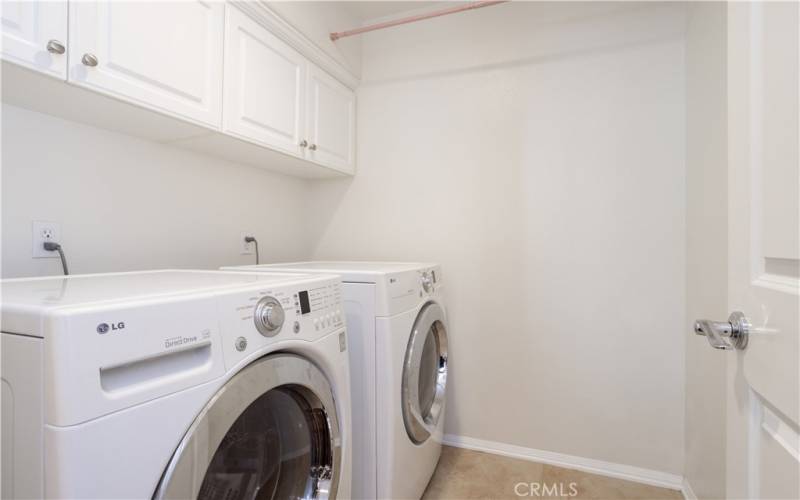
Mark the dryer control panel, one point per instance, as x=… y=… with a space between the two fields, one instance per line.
x=302 y=311
x=322 y=305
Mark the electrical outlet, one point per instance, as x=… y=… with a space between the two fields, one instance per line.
x=247 y=248
x=44 y=231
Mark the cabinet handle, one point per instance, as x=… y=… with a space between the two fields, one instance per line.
x=303 y=143
x=55 y=47
x=89 y=60
x=313 y=147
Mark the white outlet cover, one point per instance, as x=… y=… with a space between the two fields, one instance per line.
x=42 y=231
x=246 y=248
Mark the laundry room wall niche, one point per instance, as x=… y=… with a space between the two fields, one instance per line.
x=536 y=150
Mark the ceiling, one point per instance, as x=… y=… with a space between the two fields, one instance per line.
x=365 y=11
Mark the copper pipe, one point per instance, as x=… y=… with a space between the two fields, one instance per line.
x=412 y=19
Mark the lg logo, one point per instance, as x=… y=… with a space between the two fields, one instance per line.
x=105 y=327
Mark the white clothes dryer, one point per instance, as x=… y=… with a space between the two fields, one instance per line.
x=397 y=327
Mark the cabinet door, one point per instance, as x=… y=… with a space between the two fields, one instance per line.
x=28 y=28
x=331 y=122
x=162 y=55
x=264 y=86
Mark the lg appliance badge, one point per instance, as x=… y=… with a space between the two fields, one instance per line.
x=105 y=327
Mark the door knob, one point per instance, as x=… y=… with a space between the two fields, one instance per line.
x=55 y=47
x=312 y=147
x=303 y=143
x=89 y=59
x=725 y=335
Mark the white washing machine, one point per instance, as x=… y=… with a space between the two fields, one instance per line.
x=397 y=329
x=175 y=384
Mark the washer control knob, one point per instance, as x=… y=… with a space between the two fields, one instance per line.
x=427 y=283
x=269 y=316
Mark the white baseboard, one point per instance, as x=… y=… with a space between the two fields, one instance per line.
x=687 y=491
x=610 y=469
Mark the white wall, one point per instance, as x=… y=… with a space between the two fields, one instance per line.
x=537 y=151
x=707 y=264
x=317 y=20
x=126 y=204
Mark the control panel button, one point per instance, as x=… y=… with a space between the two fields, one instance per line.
x=427 y=283
x=269 y=316
x=296 y=327
x=241 y=344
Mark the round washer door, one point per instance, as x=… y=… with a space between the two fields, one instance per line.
x=271 y=432
x=425 y=373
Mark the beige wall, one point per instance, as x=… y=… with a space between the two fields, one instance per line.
x=126 y=204
x=707 y=263
x=537 y=152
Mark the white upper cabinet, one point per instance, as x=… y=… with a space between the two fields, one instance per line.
x=264 y=86
x=237 y=82
x=35 y=35
x=331 y=122
x=162 y=55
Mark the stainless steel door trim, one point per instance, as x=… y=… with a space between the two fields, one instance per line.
x=429 y=321
x=187 y=468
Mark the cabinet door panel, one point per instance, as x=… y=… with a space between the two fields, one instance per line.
x=264 y=85
x=164 y=55
x=331 y=122
x=27 y=27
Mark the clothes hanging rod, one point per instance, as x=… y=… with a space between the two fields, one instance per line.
x=412 y=19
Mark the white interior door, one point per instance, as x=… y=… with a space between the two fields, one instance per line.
x=264 y=86
x=764 y=259
x=35 y=35
x=331 y=122
x=163 y=55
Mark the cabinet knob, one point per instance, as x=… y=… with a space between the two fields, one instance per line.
x=55 y=47
x=312 y=147
x=89 y=60
x=303 y=143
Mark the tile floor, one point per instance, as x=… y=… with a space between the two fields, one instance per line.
x=464 y=474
